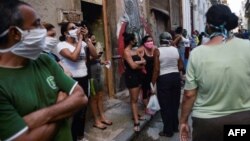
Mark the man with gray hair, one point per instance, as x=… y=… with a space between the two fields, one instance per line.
x=31 y=105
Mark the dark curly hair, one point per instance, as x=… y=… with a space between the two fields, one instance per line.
x=220 y=14
x=128 y=37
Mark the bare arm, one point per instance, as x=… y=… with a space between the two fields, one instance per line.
x=187 y=104
x=186 y=108
x=92 y=49
x=180 y=65
x=43 y=133
x=73 y=56
x=156 y=69
x=58 y=111
x=130 y=61
x=140 y=51
x=66 y=70
x=177 y=40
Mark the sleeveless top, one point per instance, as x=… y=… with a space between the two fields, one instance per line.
x=128 y=69
x=168 y=60
x=149 y=65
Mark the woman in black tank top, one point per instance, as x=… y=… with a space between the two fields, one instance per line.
x=146 y=50
x=133 y=64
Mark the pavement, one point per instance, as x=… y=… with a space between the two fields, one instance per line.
x=119 y=112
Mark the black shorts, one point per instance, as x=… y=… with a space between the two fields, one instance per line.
x=133 y=80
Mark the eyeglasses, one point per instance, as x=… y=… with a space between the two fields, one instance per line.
x=72 y=28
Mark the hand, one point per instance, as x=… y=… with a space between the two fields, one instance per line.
x=105 y=62
x=78 y=33
x=184 y=132
x=84 y=31
x=153 y=88
x=61 y=96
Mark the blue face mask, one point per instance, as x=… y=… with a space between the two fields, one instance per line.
x=31 y=44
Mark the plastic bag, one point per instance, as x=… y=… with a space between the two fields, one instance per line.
x=153 y=103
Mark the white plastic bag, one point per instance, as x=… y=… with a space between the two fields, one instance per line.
x=153 y=103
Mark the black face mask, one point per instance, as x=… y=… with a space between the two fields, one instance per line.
x=135 y=44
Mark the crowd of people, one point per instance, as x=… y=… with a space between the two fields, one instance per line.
x=56 y=78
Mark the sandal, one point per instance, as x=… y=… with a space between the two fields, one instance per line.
x=137 y=127
x=99 y=127
x=107 y=122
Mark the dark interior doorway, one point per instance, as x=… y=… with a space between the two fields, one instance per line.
x=92 y=15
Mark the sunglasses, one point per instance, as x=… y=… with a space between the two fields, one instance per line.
x=72 y=28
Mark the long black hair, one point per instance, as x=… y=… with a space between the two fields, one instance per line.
x=64 y=28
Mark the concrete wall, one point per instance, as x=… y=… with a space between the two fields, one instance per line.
x=175 y=14
x=186 y=12
x=48 y=9
x=200 y=9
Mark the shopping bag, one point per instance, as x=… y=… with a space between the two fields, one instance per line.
x=153 y=103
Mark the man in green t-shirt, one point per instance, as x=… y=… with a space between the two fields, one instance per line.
x=36 y=97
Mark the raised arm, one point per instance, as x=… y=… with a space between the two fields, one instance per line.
x=177 y=40
x=73 y=56
x=92 y=49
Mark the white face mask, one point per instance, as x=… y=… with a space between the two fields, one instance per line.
x=50 y=44
x=73 y=34
x=31 y=44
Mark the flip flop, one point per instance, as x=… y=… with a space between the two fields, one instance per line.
x=102 y=128
x=107 y=123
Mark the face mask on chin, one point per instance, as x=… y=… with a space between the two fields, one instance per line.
x=50 y=43
x=31 y=44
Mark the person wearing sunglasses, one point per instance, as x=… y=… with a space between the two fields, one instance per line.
x=72 y=52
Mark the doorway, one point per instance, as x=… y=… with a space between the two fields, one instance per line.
x=92 y=15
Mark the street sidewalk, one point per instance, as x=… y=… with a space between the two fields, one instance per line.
x=119 y=112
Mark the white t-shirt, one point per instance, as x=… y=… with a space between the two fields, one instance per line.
x=78 y=68
x=169 y=57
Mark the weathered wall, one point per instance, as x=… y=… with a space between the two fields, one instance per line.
x=159 y=17
x=48 y=9
x=175 y=14
x=186 y=12
x=200 y=9
x=131 y=14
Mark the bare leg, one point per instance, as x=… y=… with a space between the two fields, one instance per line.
x=134 y=93
x=94 y=107
x=100 y=108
